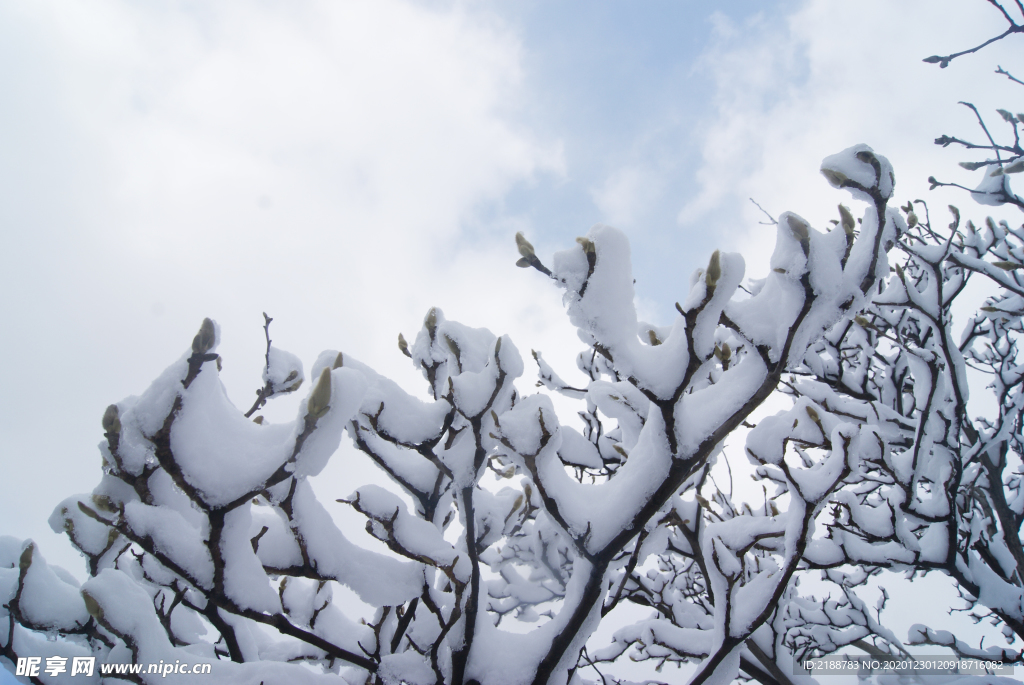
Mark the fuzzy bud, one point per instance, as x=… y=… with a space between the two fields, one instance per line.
x=320 y=398
x=431 y=321
x=714 y=271
x=26 y=557
x=111 y=420
x=1007 y=266
x=206 y=338
x=1015 y=167
x=588 y=245
x=92 y=606
x=835 y=178
x=525 y=248
x=847 y=220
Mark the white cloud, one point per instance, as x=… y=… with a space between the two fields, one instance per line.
x=792 y=90
x=172 y=161
x=626 y=193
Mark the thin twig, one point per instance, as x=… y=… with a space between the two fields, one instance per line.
x=771 y=220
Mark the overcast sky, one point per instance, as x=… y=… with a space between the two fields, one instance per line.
x=344 y=166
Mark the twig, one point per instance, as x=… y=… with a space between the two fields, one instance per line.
x=1008 y=75
x=771 y=220
x=263 y=393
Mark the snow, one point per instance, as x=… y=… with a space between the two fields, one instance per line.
x=377 y=579
x=221 y=453
x=172 y=536
x=283 y=372
x=48 y=601
x=245 y=583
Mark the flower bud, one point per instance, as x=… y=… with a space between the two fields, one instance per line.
x=26 y=557
x=111 y=420
x=835 y=178
x=92 y=606
x=206 y=338
x=431 y=321
x=404 y=346
x=588 y=245
x=714 y=271
x=1014 y=168
x=104 y=503
x=320 y=398
x=525 y=248
x=1007 y=266
x=799 y=228
x=847 y=220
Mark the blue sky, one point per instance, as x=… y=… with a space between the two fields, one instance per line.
x=345 y=166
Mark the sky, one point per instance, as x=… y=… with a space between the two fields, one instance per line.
x=345 y=166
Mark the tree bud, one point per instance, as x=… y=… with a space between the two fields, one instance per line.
x=1014 y=168
x=92 y=606
x=714 y=271
x=588 y=245
x=26 y=557
x=846 y=218
x=206 y=338
x=836 y=178
x=104 y=503
x=525 y=248
x=516 y=503
x=111 y=420
x=866 y=156
x=404 y=346
x=431 y=321
x=800 y=228
x=339 y=361
x=320 y=398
